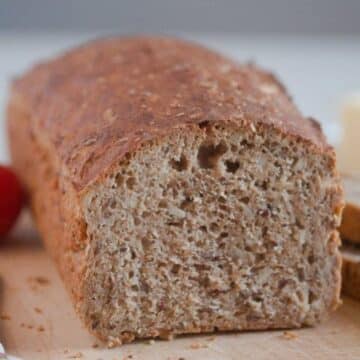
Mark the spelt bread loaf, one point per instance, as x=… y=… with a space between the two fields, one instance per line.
x=351 y=271
x=350 y=223
x=177 y=191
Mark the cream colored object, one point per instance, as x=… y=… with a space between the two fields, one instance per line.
x=32 y=304
x=349 y=149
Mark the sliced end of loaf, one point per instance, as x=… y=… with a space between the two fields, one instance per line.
x=213 y=227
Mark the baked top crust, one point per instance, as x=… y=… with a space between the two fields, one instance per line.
x=98 y=102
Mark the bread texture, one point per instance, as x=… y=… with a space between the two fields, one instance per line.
x=177 y=191
x=351 y=271
x=350 y=223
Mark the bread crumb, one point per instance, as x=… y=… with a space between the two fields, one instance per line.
x=38 y=310
x=30 y=326
x=78 y=355
x=198 y=346
x=5 y=317
x=36 y=281
x=40 y=328
x=95 y=345
x=151 y=342
x=211 y=338
x=289 y=335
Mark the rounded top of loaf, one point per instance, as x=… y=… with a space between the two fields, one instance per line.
x=101 y=100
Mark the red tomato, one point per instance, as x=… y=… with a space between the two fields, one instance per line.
x=11 y=199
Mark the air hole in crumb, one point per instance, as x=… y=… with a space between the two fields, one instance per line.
x=162 y=204
x=131 y=274
x=146 y=243
x=175 y=268
x=203 y=124
x=233 y=148
x=209 y=154
x=301 y=274
x=245 y=200
x=260 y=257
x=231 y=166
x=203 y=228
x=119 y=180
x=130 y=182
x=136 y=220
x=179 y=165
x=187 y=204
x=214 y=227
x=312 y=297
x=224 y=235
x=311 y=259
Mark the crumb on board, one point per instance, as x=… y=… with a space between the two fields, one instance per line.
x=37 y=281
x=150 y=342
x=40 y=328
x=29 y=326
x=95 y=345
x=198 y=345
x=78 y=355
x=38 y=310
x=211 y=338
x=5 y=317
x=289 y=335
x=40 y=280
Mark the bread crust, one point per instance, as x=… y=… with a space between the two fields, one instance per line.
x=74 y=118
x=171 y=83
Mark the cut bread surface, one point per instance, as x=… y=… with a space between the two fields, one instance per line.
x=212 y=227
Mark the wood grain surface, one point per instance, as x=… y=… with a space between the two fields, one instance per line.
x=37 y=321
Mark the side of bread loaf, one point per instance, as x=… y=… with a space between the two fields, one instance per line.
x=351 y=271
x=177 y=191
x=350 y=223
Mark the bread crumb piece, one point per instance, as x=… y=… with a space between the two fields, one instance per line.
x=40 y=328
x=41 y=280
x=78 y=355
x=95 y=345
x=38 y=310
x=5 y=317
x=211 y=338
x=151 y=342
x=289 y=335
x=198 y=346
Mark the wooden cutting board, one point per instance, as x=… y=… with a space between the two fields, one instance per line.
x=38 y=322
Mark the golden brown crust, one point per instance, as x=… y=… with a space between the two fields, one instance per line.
x=103 y=99
x=350 y=225
x=63 y=231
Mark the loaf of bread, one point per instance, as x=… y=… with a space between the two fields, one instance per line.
x=177 y=191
